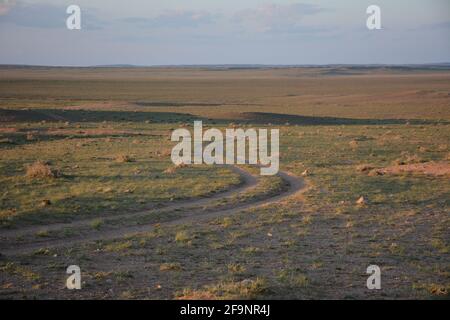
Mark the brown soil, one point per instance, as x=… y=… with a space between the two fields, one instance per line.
x=428 y=168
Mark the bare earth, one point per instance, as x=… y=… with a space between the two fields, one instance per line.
x=429 y=168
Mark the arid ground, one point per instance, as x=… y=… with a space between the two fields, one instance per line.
x=86 y=179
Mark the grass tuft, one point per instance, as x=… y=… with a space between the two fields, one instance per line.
x=40 y=170
x=123 y=158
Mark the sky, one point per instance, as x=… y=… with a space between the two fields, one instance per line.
x=192 y=32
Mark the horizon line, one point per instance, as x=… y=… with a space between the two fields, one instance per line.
x=254 y=65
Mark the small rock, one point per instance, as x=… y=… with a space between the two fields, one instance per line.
x=46 y=202
x=376 y=172
x=354 y=144
x=441 y=291
x=246 y=282
x=361 y=201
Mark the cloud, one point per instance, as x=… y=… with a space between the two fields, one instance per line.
x=276 y=18
x=5 y=6
x=174 y=19
x=270 y=19
x=44 y=16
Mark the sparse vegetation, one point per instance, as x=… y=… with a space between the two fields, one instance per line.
x=119 y=246
x=122 y=158
x=182 y=237
x=40 y=170
x=370 y=196
x=96 y=224
x=170 y=267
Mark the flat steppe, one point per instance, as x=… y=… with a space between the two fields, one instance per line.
x=86 y=179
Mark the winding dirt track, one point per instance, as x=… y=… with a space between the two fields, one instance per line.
x=294 y=185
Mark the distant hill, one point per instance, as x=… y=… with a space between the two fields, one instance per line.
x=331 y=68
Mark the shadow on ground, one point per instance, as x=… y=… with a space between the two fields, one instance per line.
x=52 y=115
x=276 y=118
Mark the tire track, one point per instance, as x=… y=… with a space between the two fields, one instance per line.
x=295 y=185
x=248 y=182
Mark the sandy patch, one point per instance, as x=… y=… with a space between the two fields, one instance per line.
x=428 y=168
x=8 y=130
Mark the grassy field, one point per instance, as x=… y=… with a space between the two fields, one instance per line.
x=371 y=147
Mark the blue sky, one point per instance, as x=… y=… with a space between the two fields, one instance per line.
x=147 y=32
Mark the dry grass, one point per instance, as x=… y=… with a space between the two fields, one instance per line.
x=407 y=158
x=170 y=267
x=354 y=144
x=123 y=158
x=40 y=170
x=16 y=269
x=96 y=224
x=235 y=268
x=365 y=168
x=188 y=294
x=170 y=170
x=119 y=246
x=173 y=169
x=183 y=237
x=245 y=289
x=367 y=126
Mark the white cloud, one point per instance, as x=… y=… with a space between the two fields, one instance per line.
x=276 y=18
x=174 y=19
